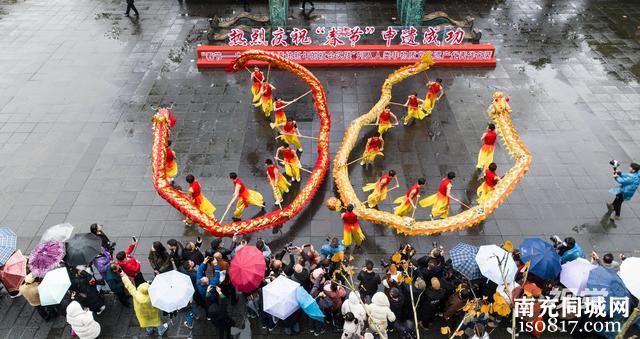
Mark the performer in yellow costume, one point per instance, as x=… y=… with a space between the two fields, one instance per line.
x=384 y=120
x=278 y=182
x=171 y=165
x=351 y=228
x=374 y=148
x=266 y=98
x=289 y=133
x=485 y=156
x=439 y=202
x=434 y=92
x=201 y=202
x=413 y=108
x=257 y=77
x=490 y=181
x=290 y=161
x=243 y=196
x=408 y=200
x=379 y=188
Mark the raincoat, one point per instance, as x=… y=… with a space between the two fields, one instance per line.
x=82 y=322
x=629 y=183
x=148 y=316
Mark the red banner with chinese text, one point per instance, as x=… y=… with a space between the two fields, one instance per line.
x=476 y=55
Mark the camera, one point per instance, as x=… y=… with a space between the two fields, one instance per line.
x=289 y=246
x=615 y=164
x=557 y=242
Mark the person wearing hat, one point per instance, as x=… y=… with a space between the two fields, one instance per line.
x=629 y=183
x=29 y=290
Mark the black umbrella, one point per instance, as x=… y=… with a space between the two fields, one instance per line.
x=82 y=249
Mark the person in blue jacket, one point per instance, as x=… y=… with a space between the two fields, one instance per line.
x=205 y=284
x=332 y=248
x=570 y=250
x=629 y=183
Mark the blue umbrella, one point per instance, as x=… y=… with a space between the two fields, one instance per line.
x=604 y=278
x=463 y=259
x=7 y=244
x=545 y=262
x=308 y=304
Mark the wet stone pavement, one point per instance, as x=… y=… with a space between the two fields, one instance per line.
x=79 y=81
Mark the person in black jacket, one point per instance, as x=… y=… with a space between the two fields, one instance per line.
x=131 y=6
x=219 y=316
x=97 y=229
x=192 y=252
x=369 y=281
x=176 y=251
x=216 y=246
x=86 y=293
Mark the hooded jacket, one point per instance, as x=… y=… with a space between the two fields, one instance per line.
x=353 y=305
x=379 y=313
x=130 y=265
x=82 y=322
x=629 y=183
x=29 y=290
x=148 y=316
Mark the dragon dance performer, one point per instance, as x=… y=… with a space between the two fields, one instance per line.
x=278 y=108
x=289 y=133
x=413 y=110
x=374 y=148
x=278 y=182
x=171 y=165
x=485 y=157
x=290 y=161
x=202 y=203
x=351 y=228
x=257 y=77
x=266 y=98
x=489 y=184
x=384 y=120
x=379 y=188
x=243 y=196
x=165 y=113
x=434 y=92
x=439 y=201
x=408 y=200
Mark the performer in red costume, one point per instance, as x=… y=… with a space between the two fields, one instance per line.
x=351 y=228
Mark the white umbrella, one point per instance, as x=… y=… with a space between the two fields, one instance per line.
x=279 y=297
x=629 y=274
x=60 y=232
x=53 y=287
x=171 y=291
x=575 y=274
x=494 y=262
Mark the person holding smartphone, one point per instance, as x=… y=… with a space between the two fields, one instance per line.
x=130 y=266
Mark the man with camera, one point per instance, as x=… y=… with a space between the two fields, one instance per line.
x=629 y=183
x=568 y=249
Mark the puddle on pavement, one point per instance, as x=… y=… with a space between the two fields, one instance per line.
x=540 y=63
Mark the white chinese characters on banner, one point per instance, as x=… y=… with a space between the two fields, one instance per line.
x=341 y=35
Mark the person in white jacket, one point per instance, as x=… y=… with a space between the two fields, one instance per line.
x=354 y=306
x=380 y=314
x=82 y=322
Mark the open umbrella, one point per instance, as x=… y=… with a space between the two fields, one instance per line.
x=45 y=257
x=605 y=278
x=574 y=275
x=7 y=244
x=60 y=232
x=82 y=249
x=54 y=286
x=308 y=304
x=171 y=291
x=545 y=261
x=247 y=269
x=496 y=264
x=279 y=297
x=463 y=260
x=629 y=274
x=14 y=271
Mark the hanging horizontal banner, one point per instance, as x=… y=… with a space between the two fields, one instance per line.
x=476 y=55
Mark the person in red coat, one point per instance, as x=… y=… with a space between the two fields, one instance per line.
x=130 y=265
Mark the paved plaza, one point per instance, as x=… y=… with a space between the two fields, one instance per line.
x=79 y=82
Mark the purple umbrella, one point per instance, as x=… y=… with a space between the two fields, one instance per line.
x=45 y=257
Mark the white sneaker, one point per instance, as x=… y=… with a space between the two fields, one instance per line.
x=101 y=310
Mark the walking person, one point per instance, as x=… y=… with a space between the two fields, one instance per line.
x=351 y=228
x=131 y=6
x=629 y=183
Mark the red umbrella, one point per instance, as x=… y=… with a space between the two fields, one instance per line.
x=247 y=269
x=13 y=272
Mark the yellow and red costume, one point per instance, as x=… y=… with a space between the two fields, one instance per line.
x=384 y=121
x=372 y=150
x=171 y=165
x=489 y=184
x=280 y=116
x=351 y=229
x=431 y=98
x=256 y=77
x=203 y=204
x=289 y=135
x=266 y=101
x=439 y=202
x=246 y=197
x=291 y=163
x=413 y=110
x=165 y=112
x=405 y=201
x=279 y=183
x=485 y=157
x=379 y=189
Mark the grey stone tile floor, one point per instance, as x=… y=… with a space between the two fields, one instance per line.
x=78 y=83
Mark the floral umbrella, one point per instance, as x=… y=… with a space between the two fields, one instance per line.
x=45 y=257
